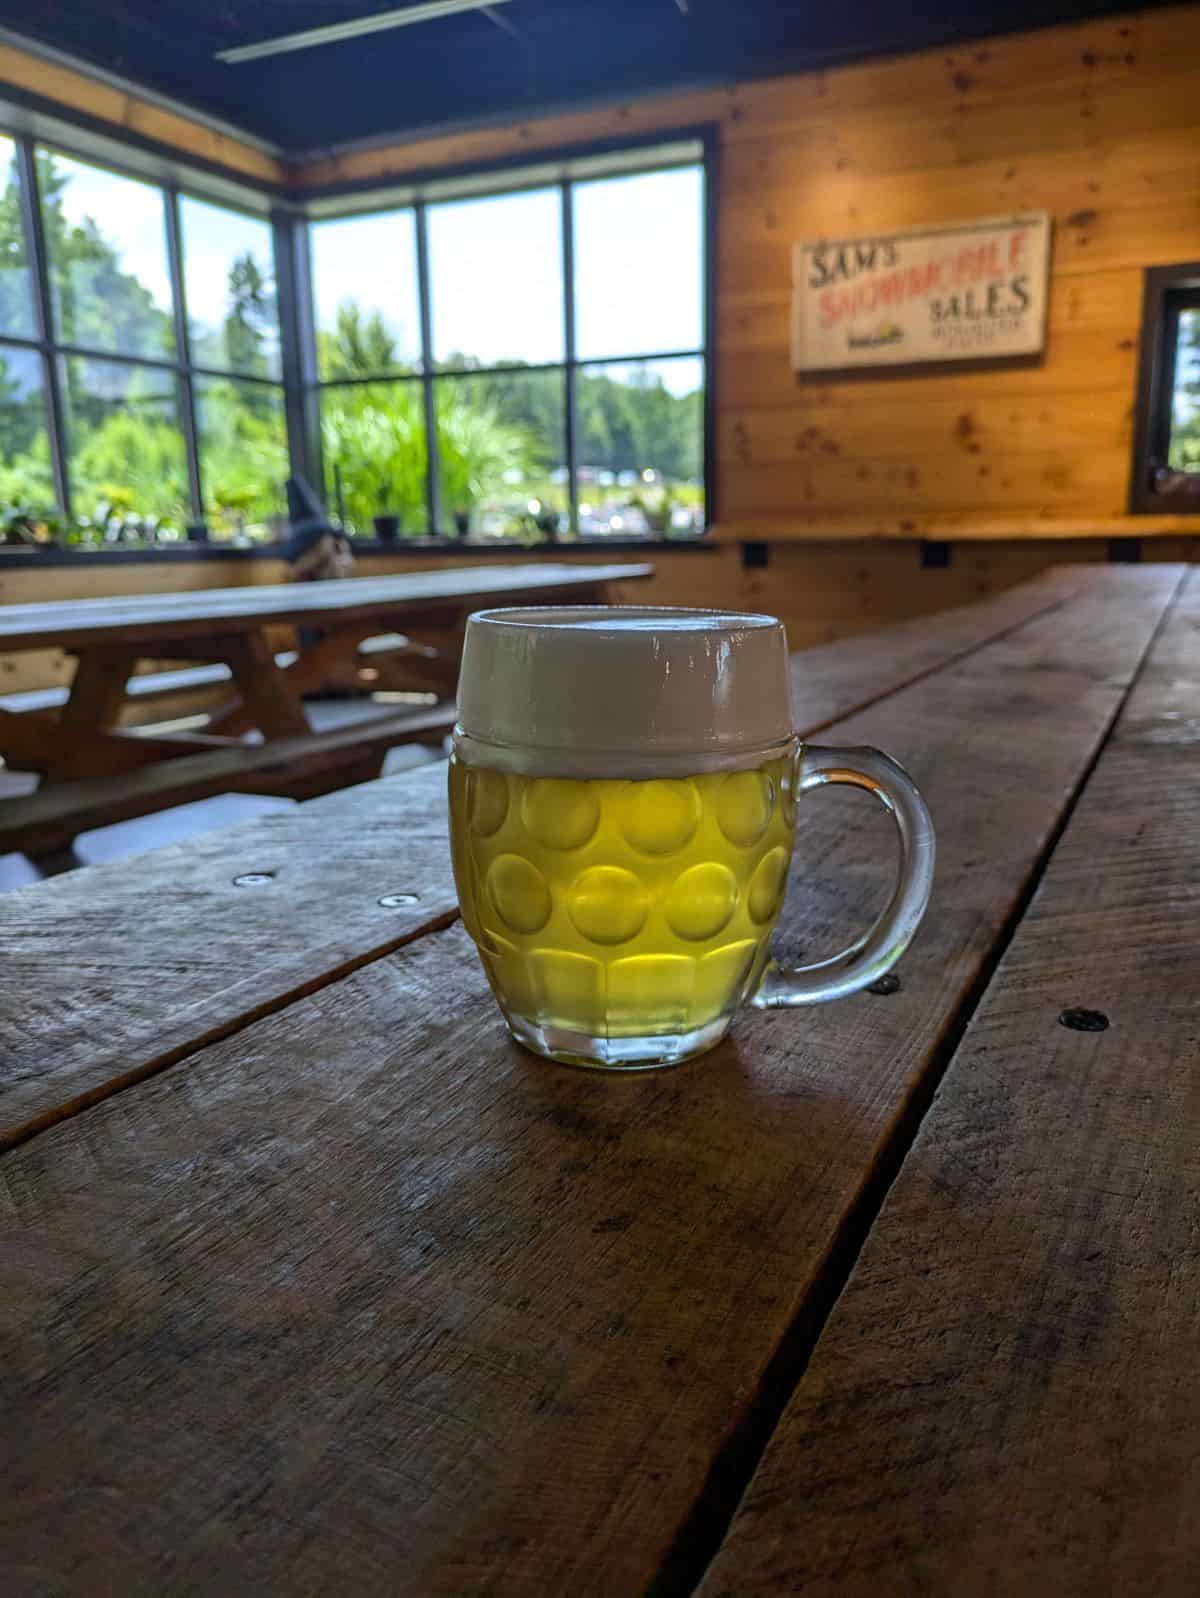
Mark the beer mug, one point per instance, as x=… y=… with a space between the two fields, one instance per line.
x=625 y=789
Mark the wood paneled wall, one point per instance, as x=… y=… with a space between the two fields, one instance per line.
x=127 y=112
x=1099 y=123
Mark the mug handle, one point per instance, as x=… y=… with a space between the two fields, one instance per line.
x=877 y=950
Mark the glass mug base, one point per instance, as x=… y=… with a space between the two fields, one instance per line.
x=648 y=1053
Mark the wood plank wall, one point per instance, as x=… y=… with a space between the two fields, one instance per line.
x=76 y=92
x=1099 y=123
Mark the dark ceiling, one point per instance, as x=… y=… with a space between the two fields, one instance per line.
x=463 y=69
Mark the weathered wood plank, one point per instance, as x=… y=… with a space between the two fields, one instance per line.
x=1039 y=483
x=830 y=681
x=159 y=618
x=378 y=1302
x=112 y=970
x=125 y=1002
x=53 y=816
x=1005 y=1400
x=874 y=429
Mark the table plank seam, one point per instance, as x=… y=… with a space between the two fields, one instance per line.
x=230 y=1024
x=937 y=666
x=701 y=1535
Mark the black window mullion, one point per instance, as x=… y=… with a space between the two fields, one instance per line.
x=35 y=249
x=709 y=470
x=572 y=413
x=433 y=475
x=306 y=348
x=185 y=393
x=294 y=295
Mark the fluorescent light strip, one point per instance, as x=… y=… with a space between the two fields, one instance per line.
x=337 y=31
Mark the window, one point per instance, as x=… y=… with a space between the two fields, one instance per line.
x=559 y=408
x=639 y=264
x=242 y=441
x=1166 y=470
x=375 y=454
x=366 y=306
x=125 y=449
x=367 y=317
x=502 y=453
x=496 y=280
x=641 y=447
x=228 y=270
x=155 y=422
x=229 y=284
x=26 y=472
x=106 y=254
x=16 y=289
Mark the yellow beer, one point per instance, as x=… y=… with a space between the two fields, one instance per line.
x=610 y=909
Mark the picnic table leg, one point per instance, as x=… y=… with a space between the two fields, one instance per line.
x=285 y=687
x=331 y=656
x=98 y=688
x=269 y=701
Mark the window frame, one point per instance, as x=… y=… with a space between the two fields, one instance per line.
x=552 y=169
x=1167 y=291
x=51 y=349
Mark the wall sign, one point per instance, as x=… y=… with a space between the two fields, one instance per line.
x=963 y=292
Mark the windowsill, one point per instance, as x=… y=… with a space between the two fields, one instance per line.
x=16 y=558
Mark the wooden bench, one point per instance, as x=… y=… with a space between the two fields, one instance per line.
x=153 y=696
x=49 y=820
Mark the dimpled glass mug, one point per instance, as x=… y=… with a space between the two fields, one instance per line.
x=623 y=798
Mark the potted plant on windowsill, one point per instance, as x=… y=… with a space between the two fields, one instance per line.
x=24 y=528
x=387 y=523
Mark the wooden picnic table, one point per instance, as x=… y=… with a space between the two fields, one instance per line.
x=96 y=771
x=311 y=1281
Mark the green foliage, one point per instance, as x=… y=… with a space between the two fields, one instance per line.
x=243 y=452
x=374 y=434
x=359 y=346
x=478 y=447
x=500 y=434
x=134 y=461
x=251 y=311
x=627 y=426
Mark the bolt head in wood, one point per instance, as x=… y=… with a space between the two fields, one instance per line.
x=1079 y=1020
